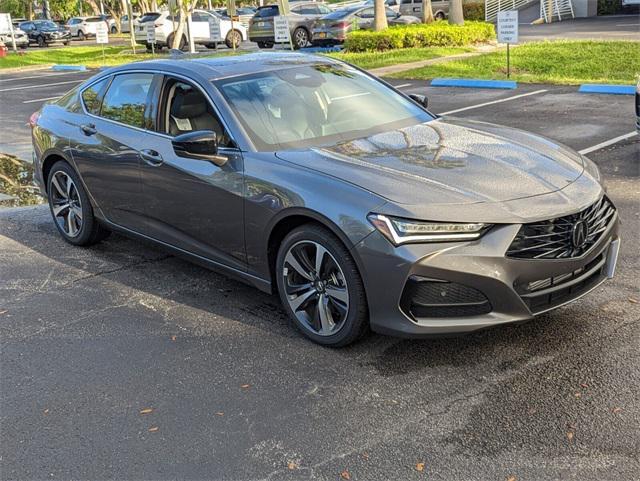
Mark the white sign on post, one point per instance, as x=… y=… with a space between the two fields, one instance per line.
x=5 y=22
x=102 y=33
x=215 y=35
x=281 y=29
x=151 y=35
x=508 y=26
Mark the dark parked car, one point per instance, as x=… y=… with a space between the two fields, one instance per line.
x=333 y=28
x=307 y=177
x=301 y=20
x=45 y=32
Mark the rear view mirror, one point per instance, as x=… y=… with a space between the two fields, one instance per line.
x=201 y=145
x=420 y=99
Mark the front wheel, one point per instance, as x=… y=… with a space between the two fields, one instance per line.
x=41 y=42
x=320 y=287
x=300 y=38
x=265 y=45
x=70 y=207
x=81 y=35
x=233 y=39
x=114 y=30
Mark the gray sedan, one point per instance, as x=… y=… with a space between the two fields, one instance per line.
x=315 y=181
x=333 y=28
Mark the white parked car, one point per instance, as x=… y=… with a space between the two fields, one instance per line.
x=83 y=27
x=22 y=41
x=124 y=22
x=165 y=25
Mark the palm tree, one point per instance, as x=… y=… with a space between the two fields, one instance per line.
x=427 y=12
x=456 y=16
x=380 y=20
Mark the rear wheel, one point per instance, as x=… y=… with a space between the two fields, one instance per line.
x=234 y=38
x=70 y=207
x=41 y=42
x=181 y=45
x=81 y=35
x=439 y=16
x=114 y=29
x=320 y=287
x=265 y=45
x=300 y=38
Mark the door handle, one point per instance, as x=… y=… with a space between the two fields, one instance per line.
x=88 y=129
x=151 y=157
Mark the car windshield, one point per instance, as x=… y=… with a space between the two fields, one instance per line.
x=316 y=105
x=47 y=25
x=149 y=17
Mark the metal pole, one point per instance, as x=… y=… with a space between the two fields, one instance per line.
x=508 y=63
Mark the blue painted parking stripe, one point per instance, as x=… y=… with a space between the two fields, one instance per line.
x=607 y=89
x=473 y=83
x=79 y=68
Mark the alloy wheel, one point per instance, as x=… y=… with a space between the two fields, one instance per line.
x=300 y=37
x=66 y=204
x=315 y=288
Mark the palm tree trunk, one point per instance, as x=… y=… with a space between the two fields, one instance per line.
x=456 y=17
x=380 y=20
x=427 y=12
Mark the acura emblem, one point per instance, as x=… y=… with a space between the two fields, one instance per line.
x=579 y=233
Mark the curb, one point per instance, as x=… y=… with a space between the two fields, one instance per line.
x=472 y=83
x=77 y=68
x=25 y=68
x=607 y=89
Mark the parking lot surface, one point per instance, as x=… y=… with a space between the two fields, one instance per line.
x=120 y=361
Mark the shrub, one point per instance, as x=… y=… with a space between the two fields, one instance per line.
x=473 y=10
x=437 y=34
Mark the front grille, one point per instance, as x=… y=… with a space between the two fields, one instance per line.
x=563 y=237
x=544 y=294
x=424 y=298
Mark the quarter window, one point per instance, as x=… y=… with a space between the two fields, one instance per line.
x=92 y=96
x=126 y=99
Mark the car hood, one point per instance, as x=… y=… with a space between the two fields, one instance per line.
x=448 y=161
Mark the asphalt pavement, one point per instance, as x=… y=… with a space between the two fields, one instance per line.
x=120 y=361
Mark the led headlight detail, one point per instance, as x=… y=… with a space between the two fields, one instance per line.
x=402 y=231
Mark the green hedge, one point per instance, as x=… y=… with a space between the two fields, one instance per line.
x=473 y=10
x=436 y=34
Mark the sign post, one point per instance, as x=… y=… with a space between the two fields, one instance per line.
x=151 y=38
x=7 y=26
x=102 y=36
x=215 y=35
x=508 y=32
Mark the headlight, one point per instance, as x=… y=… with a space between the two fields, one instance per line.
x=403 y=231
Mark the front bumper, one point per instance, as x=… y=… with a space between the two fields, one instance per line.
x=481 y=267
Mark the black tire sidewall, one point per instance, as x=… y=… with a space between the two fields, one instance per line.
x=353 y=327
x=295 y=44
x=88 y=220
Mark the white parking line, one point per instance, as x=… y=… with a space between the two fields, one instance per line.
x=38 y=76
x=514 y=97
x=607 y=143
x=401 y=86
x=41 y=86
x=41 y=100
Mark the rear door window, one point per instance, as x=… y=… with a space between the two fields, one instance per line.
x=92 y=96
x=127 y=99
x=270 y=11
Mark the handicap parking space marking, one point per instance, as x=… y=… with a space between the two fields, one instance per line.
x=24 y=87
x=607 y=143
x=492 y=102
x=402 y=86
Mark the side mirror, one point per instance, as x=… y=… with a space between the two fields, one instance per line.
x=200 y=145
x=420 y=99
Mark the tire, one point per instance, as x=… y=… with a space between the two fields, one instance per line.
x=149 y=47
x=67 y=43
x=114 y=30
x=41 y=42
x=233 y=39
x=181 y=45
x=300 y=38
x=439 y=16
x=330 y=309
x=81 y=35
x=76 y=222
x=265 y=45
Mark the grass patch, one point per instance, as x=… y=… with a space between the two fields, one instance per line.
x=89 y=56
x=368 y=60
x=557 y=62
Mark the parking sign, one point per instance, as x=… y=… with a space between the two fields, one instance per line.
x=214 y=29
x=508 y=26
x=281 y=29
x=151 y=34
x=102 y=33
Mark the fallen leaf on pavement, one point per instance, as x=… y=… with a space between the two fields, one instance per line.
x=420 y=467
x=578 y=394
x=2 y=312
x=146 y=411
x=219 y=413
x=345 y=475
x=512 y=478
x=616 y=410
x=46 y=411
x=633 y=300
x=570 y=435
x=245 y=386
x=173 y=338
x=584 y=385
x=292 y=465
x=153 y=429
x=365 y=455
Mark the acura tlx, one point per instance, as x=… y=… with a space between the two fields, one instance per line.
x=312 y=179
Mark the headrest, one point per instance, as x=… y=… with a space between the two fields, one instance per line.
x=188 y=104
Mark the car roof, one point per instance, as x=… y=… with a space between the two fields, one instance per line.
x=223 y=67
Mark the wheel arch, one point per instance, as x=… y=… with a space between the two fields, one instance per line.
x=49 y=158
